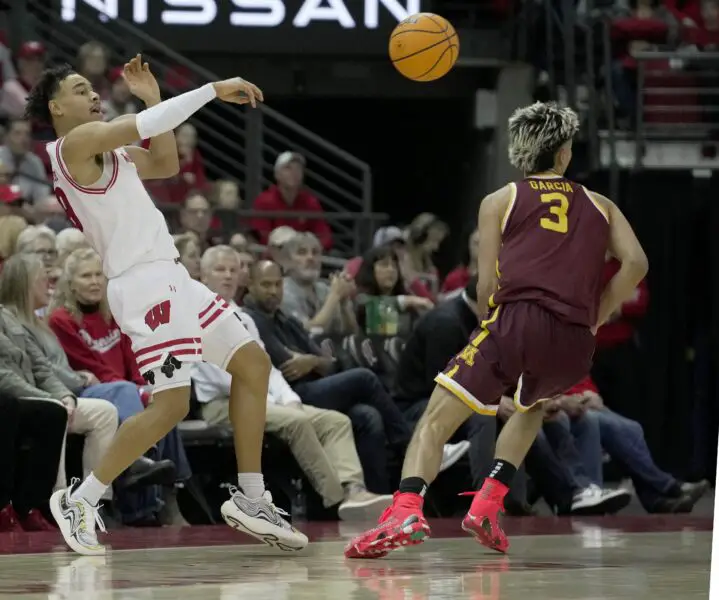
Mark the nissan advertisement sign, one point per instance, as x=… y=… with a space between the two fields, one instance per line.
x=253 y=26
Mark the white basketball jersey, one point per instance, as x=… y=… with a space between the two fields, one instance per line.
x=115 y=213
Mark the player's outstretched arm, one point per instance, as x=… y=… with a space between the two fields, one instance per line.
x=489 y=225
x=625 y=247
x=90 y=139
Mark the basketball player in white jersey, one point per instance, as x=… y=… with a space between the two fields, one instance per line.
x=171 y=319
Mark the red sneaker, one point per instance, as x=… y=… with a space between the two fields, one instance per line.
x=482 y=520
x=402 y=524
x=35 y=521
x=8 y=520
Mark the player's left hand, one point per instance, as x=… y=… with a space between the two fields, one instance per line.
x=141 y=81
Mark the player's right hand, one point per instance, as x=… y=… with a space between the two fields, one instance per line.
x=238 y=91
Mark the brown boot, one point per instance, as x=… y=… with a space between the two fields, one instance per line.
x=361 y=505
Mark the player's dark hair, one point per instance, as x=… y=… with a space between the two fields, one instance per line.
x=365 y=279
x=37 y=108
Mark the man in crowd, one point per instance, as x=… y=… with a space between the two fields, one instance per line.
x=320 y=440
x=321 y=307
x=196 y=216
x=290 y=195
x=26 y=167
x=319 y=381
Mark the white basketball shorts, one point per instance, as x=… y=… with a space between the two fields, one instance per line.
x=172 y=320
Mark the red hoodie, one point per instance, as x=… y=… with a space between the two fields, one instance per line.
x=97 y=346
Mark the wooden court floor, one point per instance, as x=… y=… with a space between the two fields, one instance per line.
x=652 y=558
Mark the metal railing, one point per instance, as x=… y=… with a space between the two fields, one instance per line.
x=235 y=143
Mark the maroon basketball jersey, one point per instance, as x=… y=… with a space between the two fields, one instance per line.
x=554 y=241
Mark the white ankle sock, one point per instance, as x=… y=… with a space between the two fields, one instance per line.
x=90 y=490
x=252 y=484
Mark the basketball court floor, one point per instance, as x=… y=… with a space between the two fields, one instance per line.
x=622 y=558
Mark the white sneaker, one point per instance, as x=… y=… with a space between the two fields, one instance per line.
x=593 y=500
x=77 y=520
x=260 y=518
x=451 y=453
x=362 y=505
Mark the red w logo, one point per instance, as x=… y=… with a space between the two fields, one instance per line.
x=158 y=315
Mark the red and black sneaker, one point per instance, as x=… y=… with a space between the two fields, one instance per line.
x=402 y=524
x=482 y=520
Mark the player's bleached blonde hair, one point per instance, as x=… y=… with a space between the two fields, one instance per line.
x=536 y=133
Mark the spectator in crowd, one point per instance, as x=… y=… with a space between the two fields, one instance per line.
x=356 y=392
x=30 y=63
x=31 y=437
x=321 y=307
x=290 y=195
x=425 y=234
x=383 y=305
x=226 y=195
x=239 y=242
x=276 y=242
x=67 y=241
x=191 y=177
x=40 y=241
x=320 y=440
x=616 y=365
x=93 y=342
x=458 y=278
x=92 y=63
x=246 y=260
x=623 y=439
x=189 y=250
x=27 y=169
x=48 y=211
x=12 y=201
x=195 y=217
x=120 y=101
x=10 y=228
x=394 y=237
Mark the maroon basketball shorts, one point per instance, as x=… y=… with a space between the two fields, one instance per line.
x=520 y=344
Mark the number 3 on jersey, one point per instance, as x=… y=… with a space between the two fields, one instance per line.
x=69 y=213
x=559 y=205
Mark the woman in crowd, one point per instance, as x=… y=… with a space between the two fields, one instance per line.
x=11 y=226
x=189 y=249
x=93 y=342
x=424 y=236
x=458 y=278
x=41 y=241
x=31 y=439
x=23 y=292
x=67 y=241
x=383 y=305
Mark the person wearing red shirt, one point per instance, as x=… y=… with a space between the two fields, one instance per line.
x=289 y=195
x=616 y=360
x=458 y=278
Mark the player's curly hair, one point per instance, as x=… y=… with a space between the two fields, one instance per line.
x=37 y=108
x=536 y=133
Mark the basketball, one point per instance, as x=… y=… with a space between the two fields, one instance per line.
x=424 y=47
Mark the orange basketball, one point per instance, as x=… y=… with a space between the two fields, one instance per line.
x=424 y=47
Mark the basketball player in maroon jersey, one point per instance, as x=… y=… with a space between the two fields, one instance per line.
x=542 y=246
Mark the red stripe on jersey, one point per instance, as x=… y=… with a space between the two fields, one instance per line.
x=158 y=357
x=210 y=306
x=77 y=186
x=178 y=342
x=213 y=316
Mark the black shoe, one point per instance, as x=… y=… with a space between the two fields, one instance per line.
x=144 y=472
x=667 y=505
x=695 y=490
x=512 y=508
